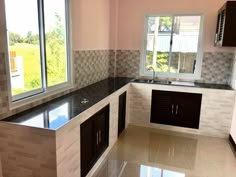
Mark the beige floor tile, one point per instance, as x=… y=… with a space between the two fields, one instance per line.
x=145 y=152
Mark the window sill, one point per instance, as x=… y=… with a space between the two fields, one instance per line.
x=39 y=97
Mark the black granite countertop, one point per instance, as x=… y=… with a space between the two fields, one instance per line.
x=184 y=84
x=58 y=112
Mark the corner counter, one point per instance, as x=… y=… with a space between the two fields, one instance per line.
x=42 y=142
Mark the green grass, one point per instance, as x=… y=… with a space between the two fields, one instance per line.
x=31 y=61
x=32 y=67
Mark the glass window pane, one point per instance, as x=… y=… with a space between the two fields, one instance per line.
x=55 y=29
x=158 y=43
x=185 y=44
x=24 y=49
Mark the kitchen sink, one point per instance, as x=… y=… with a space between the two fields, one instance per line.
x=183 y=83
x=164 y=82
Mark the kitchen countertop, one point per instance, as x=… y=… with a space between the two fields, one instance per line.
x=58 y=112
x=185 y=84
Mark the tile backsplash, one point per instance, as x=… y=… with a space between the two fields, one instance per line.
x=112 y=63
x=216 y=66
x=127 y=63
x=3 y=86
x=94 y=65
x=233 y=77
x=91 y=66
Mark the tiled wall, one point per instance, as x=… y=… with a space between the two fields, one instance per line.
x=216 y=67
x=112 y=63
x=89 y=67
x=127 y=63
x=3 y=86
x=233 y=76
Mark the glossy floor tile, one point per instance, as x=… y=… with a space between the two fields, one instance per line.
x=144 y=152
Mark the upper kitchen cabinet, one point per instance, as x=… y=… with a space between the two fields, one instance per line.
x=226 y=25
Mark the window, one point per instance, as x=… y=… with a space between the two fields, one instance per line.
x=38 y=46
x=172 y=46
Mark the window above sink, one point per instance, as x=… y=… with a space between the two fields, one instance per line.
x=172 y=46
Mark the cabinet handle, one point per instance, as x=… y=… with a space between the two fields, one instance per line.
x=97 y=138
x=100 y=137
x=172 y=109
x=177 y=109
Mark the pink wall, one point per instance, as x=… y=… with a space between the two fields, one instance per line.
x=114 y=8
x=131 y=18
x=90 y=24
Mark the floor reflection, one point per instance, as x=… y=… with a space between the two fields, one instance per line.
x=144 y=152
x=172 y=150
x=147 y=171
x=115 y=168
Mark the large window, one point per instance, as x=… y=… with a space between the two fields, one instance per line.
x=172 y=46
x=38 y=46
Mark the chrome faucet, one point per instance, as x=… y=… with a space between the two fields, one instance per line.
x=154 y=73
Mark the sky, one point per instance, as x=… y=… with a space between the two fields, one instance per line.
x=22 y=16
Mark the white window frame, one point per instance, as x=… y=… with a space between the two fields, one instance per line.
x=44 y=92
x=189 y=76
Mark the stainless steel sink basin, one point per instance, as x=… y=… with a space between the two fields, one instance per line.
x=183 y=83
x=143 y=80
x=164 y=82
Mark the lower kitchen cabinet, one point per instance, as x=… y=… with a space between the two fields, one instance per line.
x=122 y=113
x=176 y=108
x=94 y=139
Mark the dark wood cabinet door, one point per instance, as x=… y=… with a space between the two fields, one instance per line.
x=176 y=108
x=226 y=25
x=122 y=113
x=187 y=109
x=162 y=107
x=102 y=128
x=94 y=134
x=88 y=151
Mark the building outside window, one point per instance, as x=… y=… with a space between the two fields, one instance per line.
x=172 y=46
